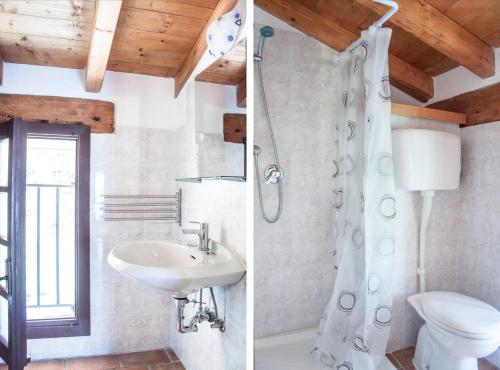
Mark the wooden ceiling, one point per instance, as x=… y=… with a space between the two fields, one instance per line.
x=153 y=37
x=429 y=36
x=228 y=70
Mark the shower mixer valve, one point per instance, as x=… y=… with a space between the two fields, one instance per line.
x=273 y=174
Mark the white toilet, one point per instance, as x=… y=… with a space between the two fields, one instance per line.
x=458 y=330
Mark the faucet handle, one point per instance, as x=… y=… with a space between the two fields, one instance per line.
x=203 y=225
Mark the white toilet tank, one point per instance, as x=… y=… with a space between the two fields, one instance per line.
x=426 y=159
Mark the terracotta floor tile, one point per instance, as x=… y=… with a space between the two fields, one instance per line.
x=143 y=358
x=485 y=365
x=168 y=366
x=405 y=357
x=171 y=354
x=93 y=363
x=394 y=361
x=46 y=365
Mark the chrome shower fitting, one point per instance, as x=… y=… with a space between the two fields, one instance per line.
x=202 y=314
x=273 y=174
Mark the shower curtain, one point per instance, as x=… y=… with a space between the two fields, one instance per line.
x=354 y=329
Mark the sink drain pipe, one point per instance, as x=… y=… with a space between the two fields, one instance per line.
x=203 y=314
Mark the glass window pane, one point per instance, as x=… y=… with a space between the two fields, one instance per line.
x=4 y=162
x=51 y=161
x=3 y=266
x=50 y=228
x=4 y=212
x=31 y=246
x=4 y=321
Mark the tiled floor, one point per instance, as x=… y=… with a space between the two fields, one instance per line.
x=151 y=360
x=402 y=360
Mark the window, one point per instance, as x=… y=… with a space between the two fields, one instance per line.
x=57 y=230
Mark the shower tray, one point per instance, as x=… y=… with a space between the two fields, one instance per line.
x=291 y=351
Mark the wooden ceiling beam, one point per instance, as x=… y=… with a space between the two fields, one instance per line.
x=99 y=115
x=481 y=106
x=403 y=75
x=194 y=56
x=103 y=31
x=1 y=69
x=435 y=29
x=241 y=93
x=235 y=128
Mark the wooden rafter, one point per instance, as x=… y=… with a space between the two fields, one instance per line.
x=229 y=69
x=1 y=69
x=99 y=115
x=481 y=106
x=200 y=46
x=105 y=20
x=441 y=33
x=241 y=93
x=427 y=113
x=235 y=128
x=403 y=75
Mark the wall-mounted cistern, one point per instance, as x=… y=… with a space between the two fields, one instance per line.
x=458 y=329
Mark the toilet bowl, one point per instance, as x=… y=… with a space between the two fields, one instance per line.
x=458 y=330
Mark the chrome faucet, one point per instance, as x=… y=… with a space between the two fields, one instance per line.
x=202 y=233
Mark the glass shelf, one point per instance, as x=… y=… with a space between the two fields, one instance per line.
x=211 y=178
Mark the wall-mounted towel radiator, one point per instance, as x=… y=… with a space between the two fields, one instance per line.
x=143 y=207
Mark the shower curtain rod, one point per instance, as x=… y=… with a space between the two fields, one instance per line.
x=379 y=23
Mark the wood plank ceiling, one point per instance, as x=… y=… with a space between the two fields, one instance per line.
x=152 y=37
x=463 y=26
x=228 y=70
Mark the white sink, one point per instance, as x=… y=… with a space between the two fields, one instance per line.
x=176 y=268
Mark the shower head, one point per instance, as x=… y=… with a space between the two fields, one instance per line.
x=267 y=31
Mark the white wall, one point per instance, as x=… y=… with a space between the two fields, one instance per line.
x=479 y=227
x=441 y=246
x=294 y=271
x=209 y=100
x=137 y=158
x=155 y=141
x=140 y=101
x=301 y=95
x=223 y=205
x=460 y=80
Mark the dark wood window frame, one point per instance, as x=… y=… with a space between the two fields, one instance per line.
x=79 y=326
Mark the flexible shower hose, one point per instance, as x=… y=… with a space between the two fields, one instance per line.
x=276 y=216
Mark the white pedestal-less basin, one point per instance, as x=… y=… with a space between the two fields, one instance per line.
x=176 y=268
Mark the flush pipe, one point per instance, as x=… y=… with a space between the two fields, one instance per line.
x=427 y=196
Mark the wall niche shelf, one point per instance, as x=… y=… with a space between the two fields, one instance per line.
x=212 y=178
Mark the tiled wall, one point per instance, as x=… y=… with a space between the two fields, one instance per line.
x=293 y=264
x=479 y=229
x=125 y=316
x=441 y=247
x=223 y=205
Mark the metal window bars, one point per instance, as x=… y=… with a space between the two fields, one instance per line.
x=141 y=207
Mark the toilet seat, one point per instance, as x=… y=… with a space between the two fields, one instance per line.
x=461 y=315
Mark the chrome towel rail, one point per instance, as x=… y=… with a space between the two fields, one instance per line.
x=152 y=207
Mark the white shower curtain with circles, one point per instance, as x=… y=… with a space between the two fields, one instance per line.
x=354 y=329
